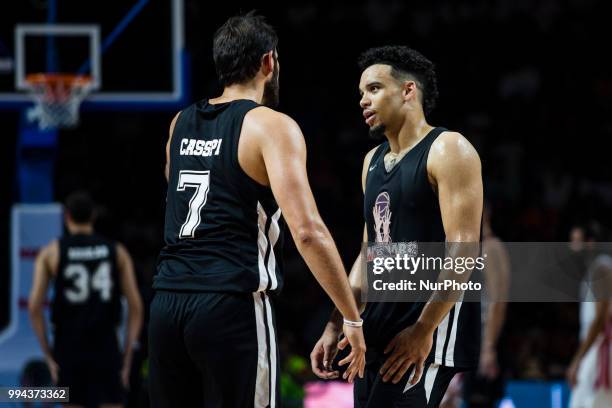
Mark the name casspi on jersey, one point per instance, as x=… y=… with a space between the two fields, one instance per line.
x=195 y=147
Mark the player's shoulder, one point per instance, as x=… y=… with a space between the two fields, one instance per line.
x=49 y=255
x=51 y=249
x=122 y=254
x=263 y=117
x=178 y=114
x=450 y=144
x=175 y=118
x=373 y=151
x=450 y=152
x=173 y=125
x=368 y=157
x=120 y=247
x=268 y=124
x=366 y=164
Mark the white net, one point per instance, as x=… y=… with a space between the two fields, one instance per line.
x=57 y=99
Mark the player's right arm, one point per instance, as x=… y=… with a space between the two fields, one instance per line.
x=44 y=266
x=325 y=350
x=283 y=150
x=167 y=166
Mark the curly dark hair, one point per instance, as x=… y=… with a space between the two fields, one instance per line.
x=238 y=46
x=406 y=61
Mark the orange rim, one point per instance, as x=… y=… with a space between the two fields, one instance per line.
x=56 y=79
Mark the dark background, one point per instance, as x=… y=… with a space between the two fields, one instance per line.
x=527 y=82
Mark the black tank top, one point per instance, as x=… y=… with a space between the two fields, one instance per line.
x=401 y=206
x=87 y=288
x=223 y=230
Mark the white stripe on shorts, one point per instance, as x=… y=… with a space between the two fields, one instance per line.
x=430 y=379
x=262 y=384
x=440 y=340
x=272 y=353
x=450 y=351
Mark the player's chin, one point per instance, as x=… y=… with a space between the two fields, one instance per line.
x=377 y=131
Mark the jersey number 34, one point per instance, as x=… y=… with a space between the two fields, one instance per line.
x=84 y=283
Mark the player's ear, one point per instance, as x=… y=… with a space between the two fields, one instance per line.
x=409 y=90
x=267 y=63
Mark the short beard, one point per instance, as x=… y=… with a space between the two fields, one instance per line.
x=377 y=132
x=272 y=90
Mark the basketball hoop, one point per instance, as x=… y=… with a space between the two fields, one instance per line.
x=57 y=98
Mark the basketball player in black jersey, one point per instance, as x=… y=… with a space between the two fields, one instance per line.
x=423 y=184
x=89 y=275
x=234 y=165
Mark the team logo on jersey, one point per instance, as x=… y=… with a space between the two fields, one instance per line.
x=382 y=217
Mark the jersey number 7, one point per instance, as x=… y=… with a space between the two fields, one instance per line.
x=200 y=180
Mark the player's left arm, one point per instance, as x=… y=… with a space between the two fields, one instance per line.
x=455 y=174
x=129 y=289
x=455 y=170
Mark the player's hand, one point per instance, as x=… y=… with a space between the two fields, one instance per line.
x=53 y=369
x=324 y=353
x=354 y=338
x=572 y=372
x=125 y=376
x=487 y=366
x=409 y=347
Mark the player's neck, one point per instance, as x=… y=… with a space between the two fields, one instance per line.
x=252 y=90
x=80 y=229
x=411 y=131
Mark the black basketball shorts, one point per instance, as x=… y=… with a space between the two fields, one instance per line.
x=372 y=392
x=213 y=350
x=90 y=368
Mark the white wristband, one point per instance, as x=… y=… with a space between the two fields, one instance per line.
x=352 y=323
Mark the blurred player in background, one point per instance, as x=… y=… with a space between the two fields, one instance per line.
x=423 y=184
x=590 y=372
x=230 y=160
x=89 y=275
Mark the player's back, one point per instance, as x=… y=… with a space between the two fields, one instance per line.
x=87 y=287
x=222 y=229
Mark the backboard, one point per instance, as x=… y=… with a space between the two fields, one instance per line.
x=133 y=50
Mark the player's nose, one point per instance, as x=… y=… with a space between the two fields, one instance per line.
x=364 y=102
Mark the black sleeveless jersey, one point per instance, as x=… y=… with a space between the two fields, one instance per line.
x=87 y=288
x=401 y=206
x=223 y=230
